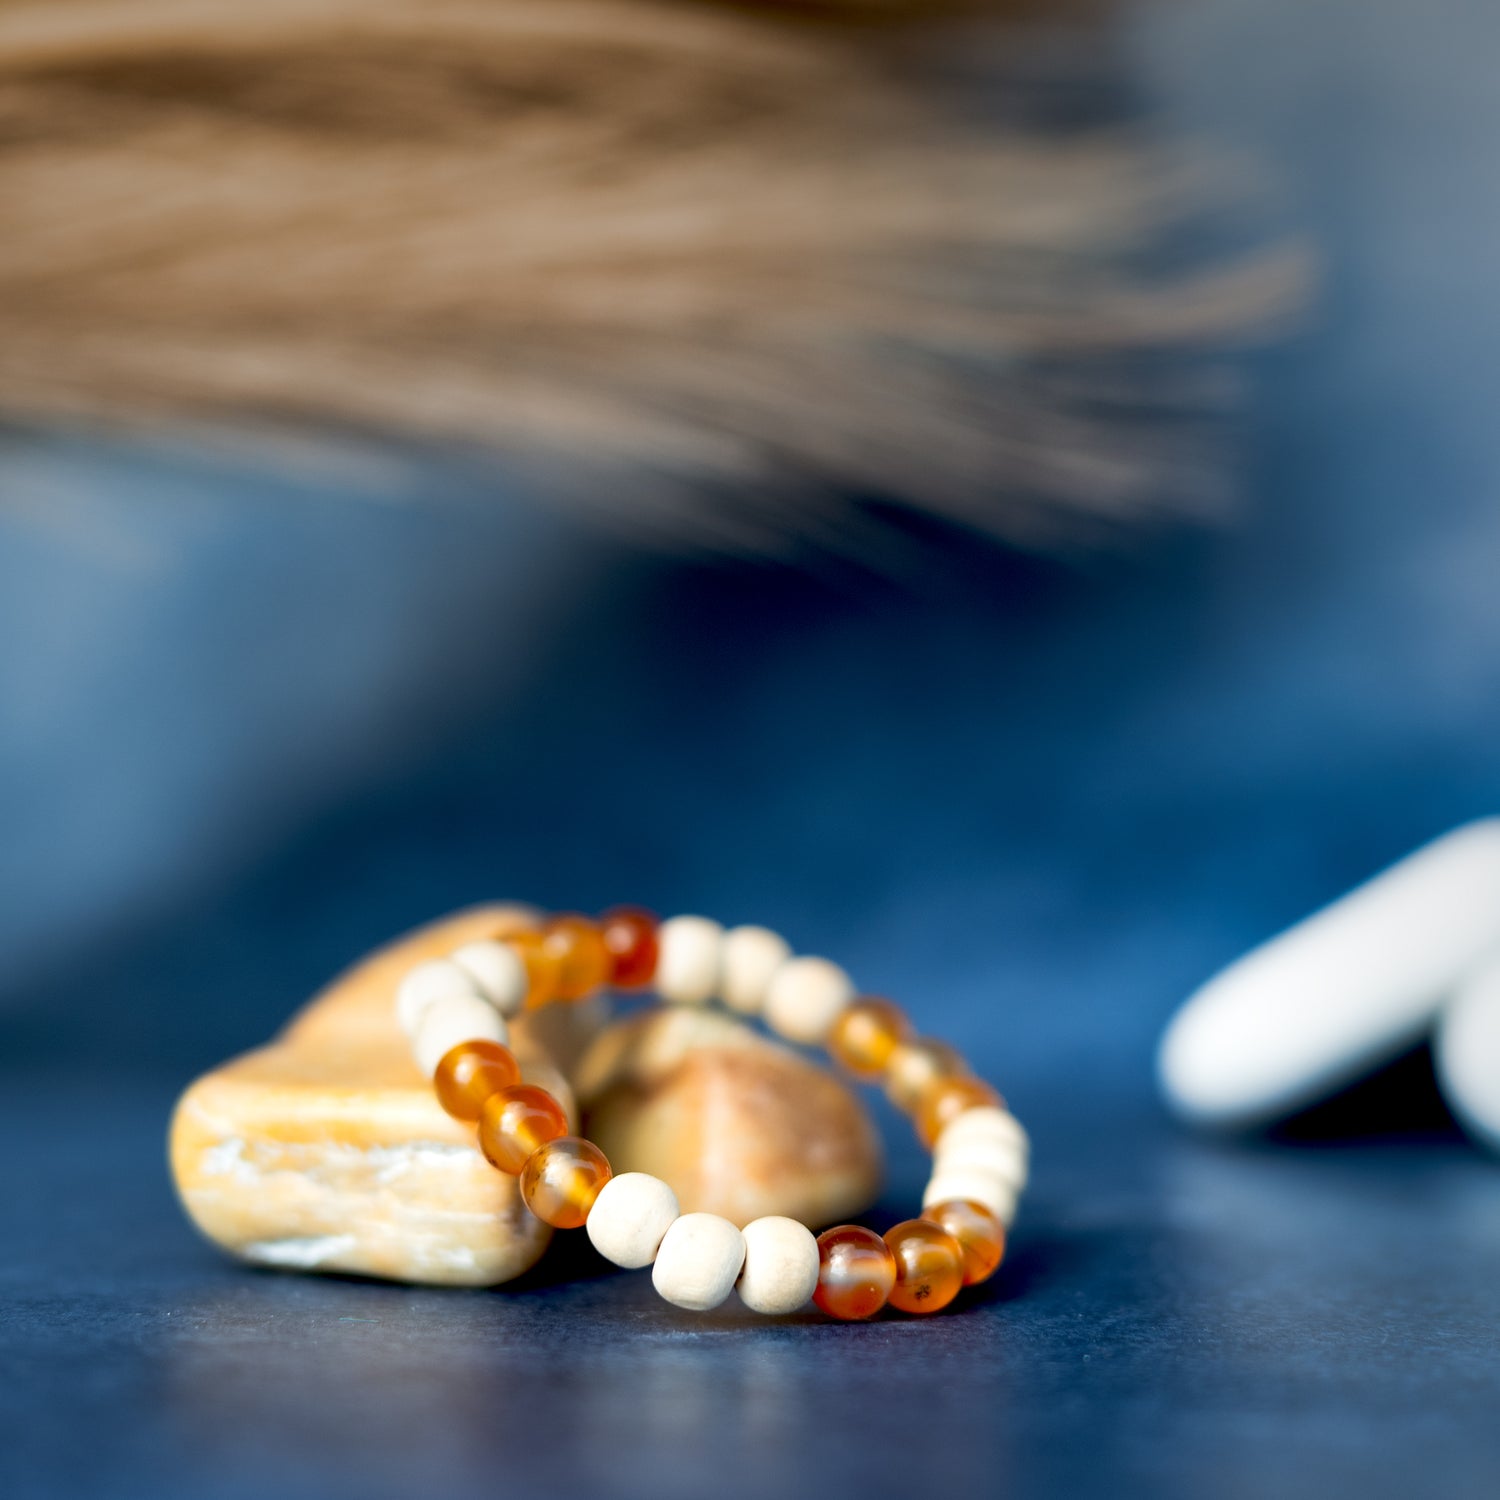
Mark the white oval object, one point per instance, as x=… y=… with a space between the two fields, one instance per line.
x=988 y=1122
x=1467 y=1053
x=1341 y=992
x=781 y=1266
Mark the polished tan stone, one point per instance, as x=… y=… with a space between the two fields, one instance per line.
x=328 y=1151
x=737 y=1125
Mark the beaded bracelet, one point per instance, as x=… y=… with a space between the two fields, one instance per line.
x=455 y=1010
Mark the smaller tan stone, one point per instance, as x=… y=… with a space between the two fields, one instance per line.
x=735 y=1124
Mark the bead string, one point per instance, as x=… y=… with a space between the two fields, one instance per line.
x=455 y=1010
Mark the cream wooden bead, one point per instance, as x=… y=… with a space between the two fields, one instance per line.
x=993 y=1192
x=699 y=1261
x=498 y=973
x=451 y=1020
x=1002 y=1159
x=805 y=997
x=752 y=955
x=988 y=1122
x=688 y=960
x=427 y=983
x=629 y=1217
x=781 y=1266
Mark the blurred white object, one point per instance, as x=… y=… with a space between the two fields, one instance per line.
x=1341 y=992
x=1467 y=1053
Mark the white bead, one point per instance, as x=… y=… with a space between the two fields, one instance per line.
x=451 y=1020
x=993 y=1192
x=752 y=955
x=1002 y=1159
x=699 y=1261
x=781 y=1265
x=435 y=980
x=498 y=972
x=986 y=1123
x=805 y=998
x=688 y=959
x=1467 y=1053
x=1339 y=993
x=629 y=1217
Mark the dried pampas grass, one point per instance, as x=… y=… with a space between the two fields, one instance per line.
x=723 y=270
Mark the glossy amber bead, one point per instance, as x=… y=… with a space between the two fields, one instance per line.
x=629 y=934
x=929 y=1266
x=946 y=1099
x=562 y=1179
x=516 y=1122
x=866 y=1035
x=915 y=1066
x=980 y=1235
x=542 y=966
x=470 y=1073
x=856 y=1272
x=583 y=962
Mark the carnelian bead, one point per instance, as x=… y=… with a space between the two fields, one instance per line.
x=946 y=1099
x=980 y=1235
x=516 y=1122
x=562 y=1179
x=929 y=1266
x=915 y=1066
x=583 y=961
x=856 y=1272
x=866 y=1035
x=469 y=1073
x=542 y=966
x=629 y=934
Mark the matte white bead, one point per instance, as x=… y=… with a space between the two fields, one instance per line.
x=629 y=1217
x=688 y=960
x=993 y=1192
x=429 y=982
x=498 y=973
x=752 y=955
x=1002 y=1159
x=986 y=1123
x=1467 y=1053
x=805 y=998
x=451 y=1020
x=699 y=1261
x=781 y=1265
x=1340 y=992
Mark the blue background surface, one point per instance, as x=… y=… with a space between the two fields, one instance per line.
x=256 y=723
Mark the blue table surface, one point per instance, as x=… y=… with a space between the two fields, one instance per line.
x=255 y=733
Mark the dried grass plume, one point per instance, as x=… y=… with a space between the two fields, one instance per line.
x=717 y=269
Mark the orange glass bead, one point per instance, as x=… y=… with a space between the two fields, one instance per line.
x=866 y=1035
x=980 y=1235
x=629 y=934
x=542 y=967
x=929 y=1266
x=945 y=1099
x=469 y=1073
x=856 y=1272
x=583 y=962
x=915 y=1066
x=562 y=1179
x=517 y=1122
